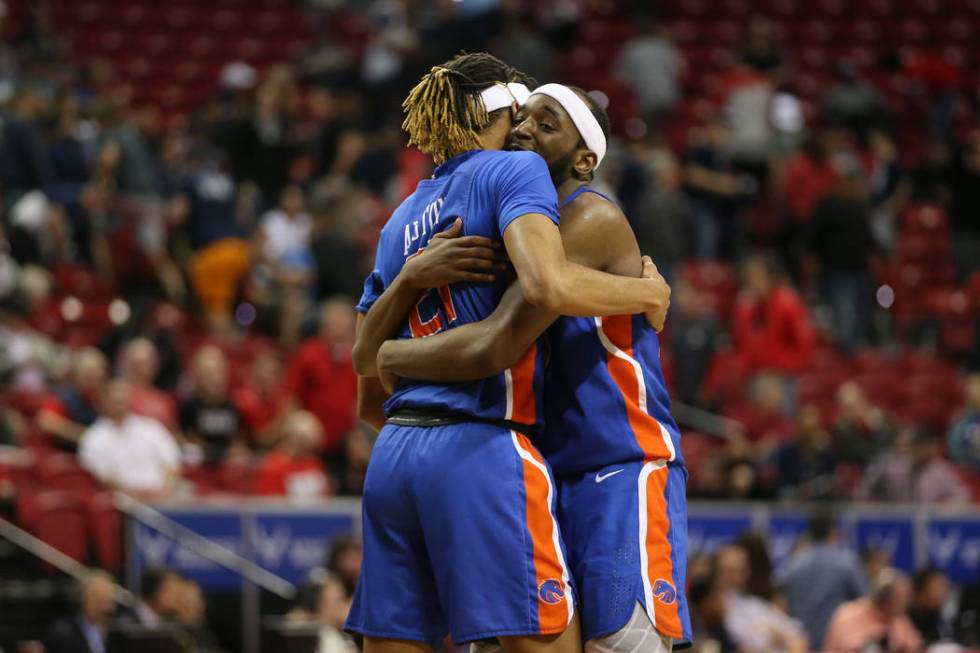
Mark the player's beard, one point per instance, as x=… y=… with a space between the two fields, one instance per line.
x=561 y=169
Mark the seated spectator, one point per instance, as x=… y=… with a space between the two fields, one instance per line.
x=913 y=470
x=805 y=464
x=760 y=48
x=208 y=418
x=766 y=425
x=321 y=379
x=139 y=364
x=876 y=622
x=707 y=604
x=332 y=609
x=73 y=407
x=760 y=566
x=754 y=624
x=161 y=592
x=129 y=452
x=862 y=429
x=963 y=441
x=770 y=324
x=344 y=559
x=357 y=452
x=852 y=103
x=819 y=577
x=86 y=631
x=930 y=592
x=292 y=468
x=260 y=400
x=190 y=612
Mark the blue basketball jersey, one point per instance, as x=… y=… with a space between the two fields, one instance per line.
x=606 y=401
x=488 y=190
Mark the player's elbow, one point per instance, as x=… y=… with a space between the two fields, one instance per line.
x=364 y=363
x=544 y=293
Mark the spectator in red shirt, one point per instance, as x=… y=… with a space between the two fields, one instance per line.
x=74 y=407
x=320 y=377
x=292 y=468
x=771 y=326
x=260 y=401
x=139 y=364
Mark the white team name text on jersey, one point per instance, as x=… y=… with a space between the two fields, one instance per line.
x=429 y=219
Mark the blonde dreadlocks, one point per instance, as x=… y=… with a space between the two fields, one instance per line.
x=444 y=113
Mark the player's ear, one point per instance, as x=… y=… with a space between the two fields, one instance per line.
x=585 y=162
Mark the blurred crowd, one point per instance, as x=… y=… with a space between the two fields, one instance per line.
x=176 y=288
x=824 y=598
x=173 y=609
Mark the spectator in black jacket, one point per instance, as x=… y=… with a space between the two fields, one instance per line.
x=87 y=629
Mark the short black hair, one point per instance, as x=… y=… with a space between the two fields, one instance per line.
x=153 y=579
x=821 y=525
x=601 y=117
x=922 y=577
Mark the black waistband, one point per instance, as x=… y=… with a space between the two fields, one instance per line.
x=435 y=417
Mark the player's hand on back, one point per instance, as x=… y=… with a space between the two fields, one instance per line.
x=658 y=316
x=450 y=258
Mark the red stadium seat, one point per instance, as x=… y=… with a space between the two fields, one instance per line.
x=105 y=524
x=57 y=518
x=62 y=472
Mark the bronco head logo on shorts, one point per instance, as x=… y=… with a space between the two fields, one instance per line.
x=664 y=591
x=552 y=591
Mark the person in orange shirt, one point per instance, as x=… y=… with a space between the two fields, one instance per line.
x=292 y=468
x=880 y=619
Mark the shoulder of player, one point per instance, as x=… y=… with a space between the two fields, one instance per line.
x=509 y=160
x=595 y=211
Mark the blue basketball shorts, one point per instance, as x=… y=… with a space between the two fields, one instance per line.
x=625 y=527
x=460 y=536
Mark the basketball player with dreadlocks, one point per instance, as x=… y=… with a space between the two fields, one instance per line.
x=458 y=510
x=608 y=432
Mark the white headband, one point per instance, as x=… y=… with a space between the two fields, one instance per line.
x=588 y=127
x=502 y=95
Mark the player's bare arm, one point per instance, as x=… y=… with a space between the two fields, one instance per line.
x=449 y=258
x=594 y=233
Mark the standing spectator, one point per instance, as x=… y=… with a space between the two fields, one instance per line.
x=335 y=251
x=525 y=48
x=805 y=464
x=753 y=623
x=285 y=230
x=208 y=417
x=842 y=245
x=221 y=258
x=87 y=630
x=129 y=452
x=321 y=379
x=930 y=592
x=760 y=49
x=190 y=611
x=662 y=213
x=651 y=66
x=770 y=324
x=963 y=441
x=138 y=366
x=935 y=480
x=292 y=468
x=260 y=401
x=862 y=429
x=332 y=609
x=764 y=416
x=819 y=577
x=694 y=332
x=760 y=566
x=715 y=190
x=877 y=622
x=73 y=408
x=965 y=187
x=853 y=103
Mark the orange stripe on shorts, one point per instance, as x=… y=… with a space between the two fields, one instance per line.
x=660 y=567
x=553 y=596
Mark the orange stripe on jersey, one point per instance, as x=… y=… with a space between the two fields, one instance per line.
x=554 y=598
x=659 y=581
x=523 y=407
x=625 y=372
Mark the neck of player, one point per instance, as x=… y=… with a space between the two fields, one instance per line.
x=568 y=187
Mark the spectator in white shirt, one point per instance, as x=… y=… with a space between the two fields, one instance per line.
x=754 y=624
x=129 y=452
x=286 y=229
